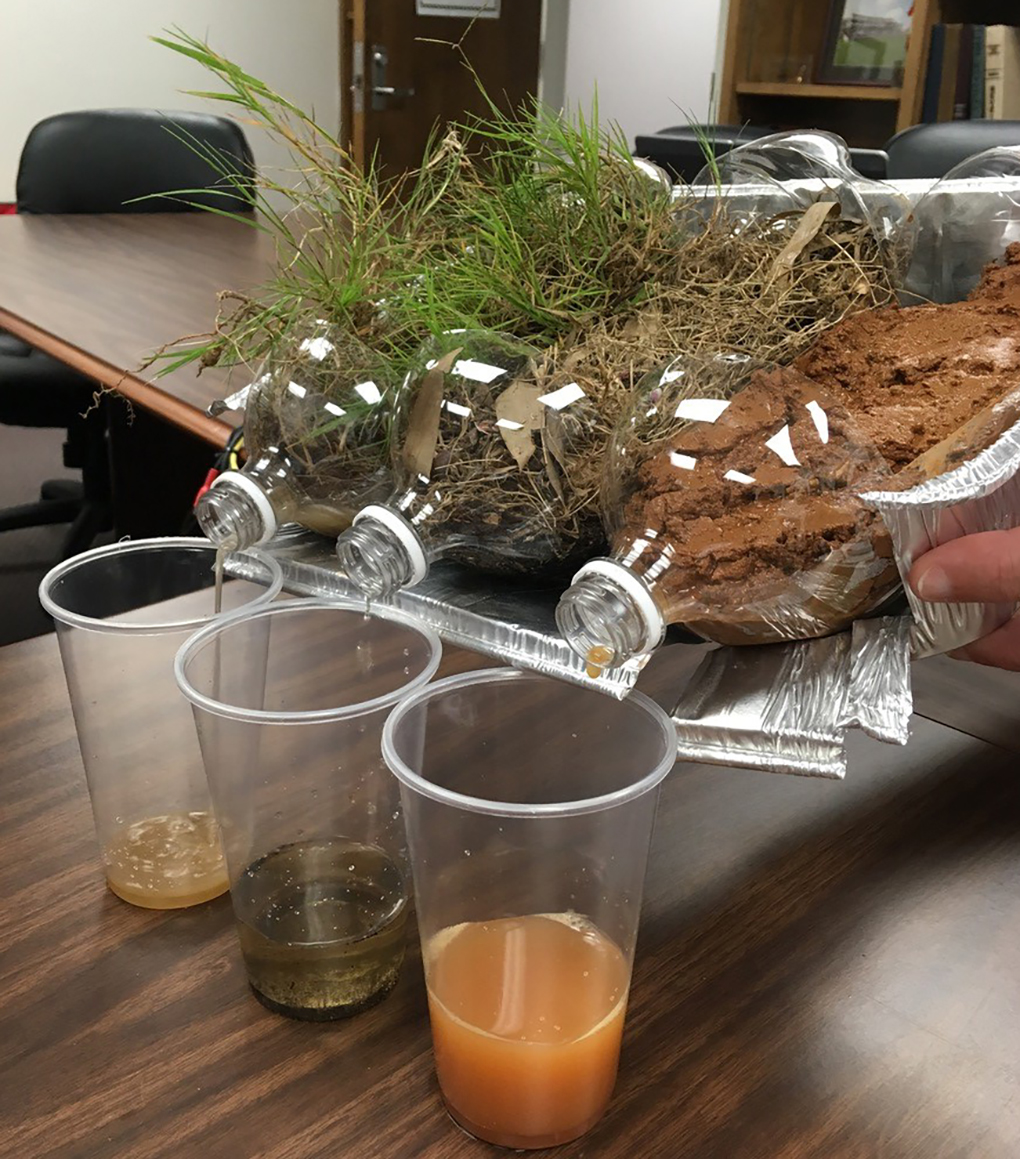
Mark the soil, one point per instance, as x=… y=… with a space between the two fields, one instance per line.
x=743 y=515
x=913 y=376
x=894 y=384
x=1000 y=282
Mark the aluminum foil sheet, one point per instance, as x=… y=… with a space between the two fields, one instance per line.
x=879 y=699
x=507 y=620
x=776 y=707
x=785 y=708
x=981 y=495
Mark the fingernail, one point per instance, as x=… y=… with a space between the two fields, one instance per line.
x=934 y=585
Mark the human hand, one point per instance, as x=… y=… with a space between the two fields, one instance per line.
x=981 y=568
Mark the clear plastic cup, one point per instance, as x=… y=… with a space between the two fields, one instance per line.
x=529 y=806
x=290 y=702
x=121 y=613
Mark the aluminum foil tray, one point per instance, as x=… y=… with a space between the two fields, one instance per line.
x=511 y=621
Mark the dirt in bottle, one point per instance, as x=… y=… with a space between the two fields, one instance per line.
x=322 y=927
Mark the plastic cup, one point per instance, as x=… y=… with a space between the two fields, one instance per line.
x=529 y=806
x=121 y=613
x=290 y=702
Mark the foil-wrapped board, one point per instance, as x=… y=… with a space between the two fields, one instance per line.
x=508 y=620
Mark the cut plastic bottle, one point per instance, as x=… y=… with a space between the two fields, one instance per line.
x=965 y=222
x=317 y=423
x=730 y=503
x=488 y=434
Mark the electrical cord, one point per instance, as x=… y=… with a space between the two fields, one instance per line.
x=229 y=458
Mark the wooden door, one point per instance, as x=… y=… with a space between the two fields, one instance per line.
x=424 y=81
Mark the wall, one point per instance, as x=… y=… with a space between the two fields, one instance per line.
x=68 y=54
x=652 y=60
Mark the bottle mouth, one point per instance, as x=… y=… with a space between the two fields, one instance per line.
x=607 y=617
x=381 y=553
x=235 y=513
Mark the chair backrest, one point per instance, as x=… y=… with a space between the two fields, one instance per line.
x=932 y=150
x=97 y=161
x=679 y=151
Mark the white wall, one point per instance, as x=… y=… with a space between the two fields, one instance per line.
x=652 y=60
x=73 y=54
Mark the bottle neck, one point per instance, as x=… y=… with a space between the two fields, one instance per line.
x=607 y=621
x=236 y=513
x=381 y=553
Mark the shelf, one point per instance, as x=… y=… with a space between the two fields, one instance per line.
x=823 y=92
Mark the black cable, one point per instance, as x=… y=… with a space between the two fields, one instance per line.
x=226 y=459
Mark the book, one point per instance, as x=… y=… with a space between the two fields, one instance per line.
x=964 y=65
x=933 y=74
x=947 y=82
x=1002 y=72
x=977 y=74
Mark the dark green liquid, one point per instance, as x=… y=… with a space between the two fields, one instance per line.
x=321 y=925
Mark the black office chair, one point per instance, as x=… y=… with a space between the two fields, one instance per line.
x=932 y=150
x=101 y=161
x=680 y=151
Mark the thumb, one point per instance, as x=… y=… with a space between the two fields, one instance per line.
x=979 y=568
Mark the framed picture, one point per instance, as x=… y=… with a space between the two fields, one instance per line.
x=865 y=42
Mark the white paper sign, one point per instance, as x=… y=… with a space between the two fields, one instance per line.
x=468 y=9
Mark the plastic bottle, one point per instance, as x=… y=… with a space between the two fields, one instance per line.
x=730 y=505
x=486 y=432
x=965 y=222
x=317 y=421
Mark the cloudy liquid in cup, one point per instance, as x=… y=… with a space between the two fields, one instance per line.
x=167 y=862
x=527 y=1015
x=322 y=927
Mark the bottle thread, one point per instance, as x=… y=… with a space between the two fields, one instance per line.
x=602 y=622
x=374 y=559
x=230 y=518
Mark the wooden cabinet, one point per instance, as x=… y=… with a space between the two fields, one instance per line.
x=771 y=58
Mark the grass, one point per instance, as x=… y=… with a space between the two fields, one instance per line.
x=531 y=223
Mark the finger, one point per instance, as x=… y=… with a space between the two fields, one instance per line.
x=999 y=649
x=980 y=568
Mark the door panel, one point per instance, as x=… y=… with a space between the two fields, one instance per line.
x=426 y=83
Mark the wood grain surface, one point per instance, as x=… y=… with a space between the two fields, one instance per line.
x=825 y=970
x=102 y=292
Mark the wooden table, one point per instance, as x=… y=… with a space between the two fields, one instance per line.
x=825 y=970
x=103 y=292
